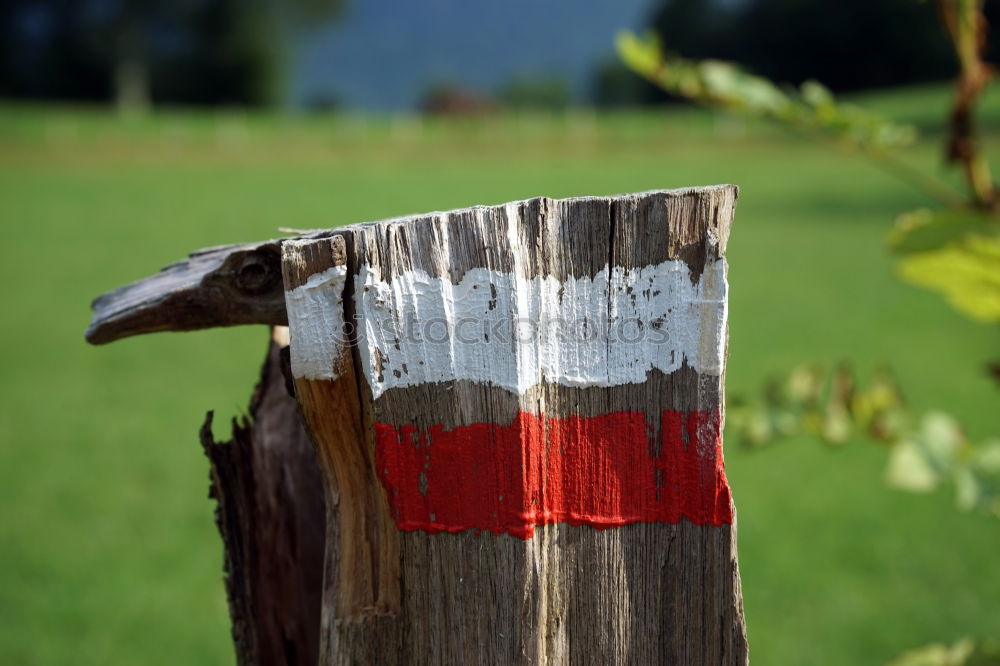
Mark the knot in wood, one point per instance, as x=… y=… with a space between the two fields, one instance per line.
x=259 y=272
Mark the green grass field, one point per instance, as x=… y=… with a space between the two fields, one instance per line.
x=108 y=553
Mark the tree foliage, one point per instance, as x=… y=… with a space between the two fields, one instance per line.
x=176 y=51
x=849 y=45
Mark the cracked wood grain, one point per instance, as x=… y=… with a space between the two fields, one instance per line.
x=529 y=529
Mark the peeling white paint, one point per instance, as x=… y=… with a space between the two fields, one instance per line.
x=514 y=332
x=316 y=324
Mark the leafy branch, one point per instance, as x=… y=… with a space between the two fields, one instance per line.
x=811 y=109
x=926 y=450
x=960 y=245
x=953 y=250
x=966 y=27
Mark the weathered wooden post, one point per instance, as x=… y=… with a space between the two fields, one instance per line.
x=517 y=411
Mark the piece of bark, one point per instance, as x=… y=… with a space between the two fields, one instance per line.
x=271 y=514
x=560 y=501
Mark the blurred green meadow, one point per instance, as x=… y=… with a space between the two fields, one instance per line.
x=108 y=552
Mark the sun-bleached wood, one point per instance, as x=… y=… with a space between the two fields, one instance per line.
x=644 y=593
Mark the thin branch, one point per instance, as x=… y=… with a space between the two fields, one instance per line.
x=966 y=26
x=919 y=180
x=932 y=187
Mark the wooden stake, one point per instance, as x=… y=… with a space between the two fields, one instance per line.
x=518 y=413
x=522 y=407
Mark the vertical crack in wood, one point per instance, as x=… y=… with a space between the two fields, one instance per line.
x=362 y=579
x=386 y=559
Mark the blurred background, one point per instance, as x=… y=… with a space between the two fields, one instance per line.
x=134 y=132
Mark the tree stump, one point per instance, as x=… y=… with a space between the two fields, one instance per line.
x=517 y=412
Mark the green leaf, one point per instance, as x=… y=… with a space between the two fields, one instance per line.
x=968 y=490
x=922 y=460
x=804 y=384
x=980 y=487
x=909 y=469
x=817 y=95
x=729 y=84
x=966 y=271
x=987 y=457
x=641 y=54
x=941 y=434
x=937 y=654
x=924 y=229
x=966 y=652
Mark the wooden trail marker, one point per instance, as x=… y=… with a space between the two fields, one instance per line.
x=518 y=414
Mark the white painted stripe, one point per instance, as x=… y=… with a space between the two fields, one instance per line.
x=316 y=324
x=514 y=332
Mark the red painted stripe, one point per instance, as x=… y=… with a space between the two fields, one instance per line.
x=601 y=471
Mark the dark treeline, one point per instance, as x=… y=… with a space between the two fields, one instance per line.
x=846 y=44
x=139 y=52
x=143 y=51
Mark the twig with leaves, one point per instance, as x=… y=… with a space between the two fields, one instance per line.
x=953 y=250
x=926 y=450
